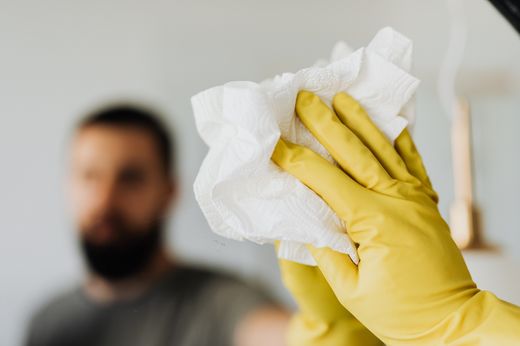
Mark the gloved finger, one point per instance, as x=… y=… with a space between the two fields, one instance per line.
x=310 y=168
x=311 y=290
x=408 y=152
x=344 y=146
x=297 y=276
x=346 y=197
x=338 y=269
x=357 y=120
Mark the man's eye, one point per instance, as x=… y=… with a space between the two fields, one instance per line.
x=132 y=177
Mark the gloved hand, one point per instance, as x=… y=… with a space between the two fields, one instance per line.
x=412 y=286
x=321 y=319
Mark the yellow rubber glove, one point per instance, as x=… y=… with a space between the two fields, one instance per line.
x=321 y=319
x=412 y=286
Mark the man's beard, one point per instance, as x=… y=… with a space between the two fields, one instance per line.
x=125 y=257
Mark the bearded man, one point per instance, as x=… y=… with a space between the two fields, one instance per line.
x=121 y=185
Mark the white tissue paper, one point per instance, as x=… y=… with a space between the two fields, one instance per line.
x=245 y=195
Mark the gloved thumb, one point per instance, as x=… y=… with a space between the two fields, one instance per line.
x=337 y=268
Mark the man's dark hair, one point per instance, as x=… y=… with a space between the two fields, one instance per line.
x=126 y=115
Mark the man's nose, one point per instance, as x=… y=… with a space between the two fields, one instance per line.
x=105 y=197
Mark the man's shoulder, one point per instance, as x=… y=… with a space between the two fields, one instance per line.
x=203 y=277
x=191 y=280
x=55 y=316
x=62 y=305
x=209 y=285
x=221 y=286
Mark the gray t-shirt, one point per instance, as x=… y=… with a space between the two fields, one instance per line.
x=189 y=307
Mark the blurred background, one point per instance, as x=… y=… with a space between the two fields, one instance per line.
x=59 y=59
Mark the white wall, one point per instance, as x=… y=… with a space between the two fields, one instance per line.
x=57 y=58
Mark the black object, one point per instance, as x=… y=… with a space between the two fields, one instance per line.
x=509 y=9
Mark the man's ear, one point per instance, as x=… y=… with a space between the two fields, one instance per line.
x=172 y=196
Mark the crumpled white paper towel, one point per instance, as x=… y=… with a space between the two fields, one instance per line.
x=245 y=195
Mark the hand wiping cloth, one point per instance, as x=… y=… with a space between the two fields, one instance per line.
x=243 y=193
